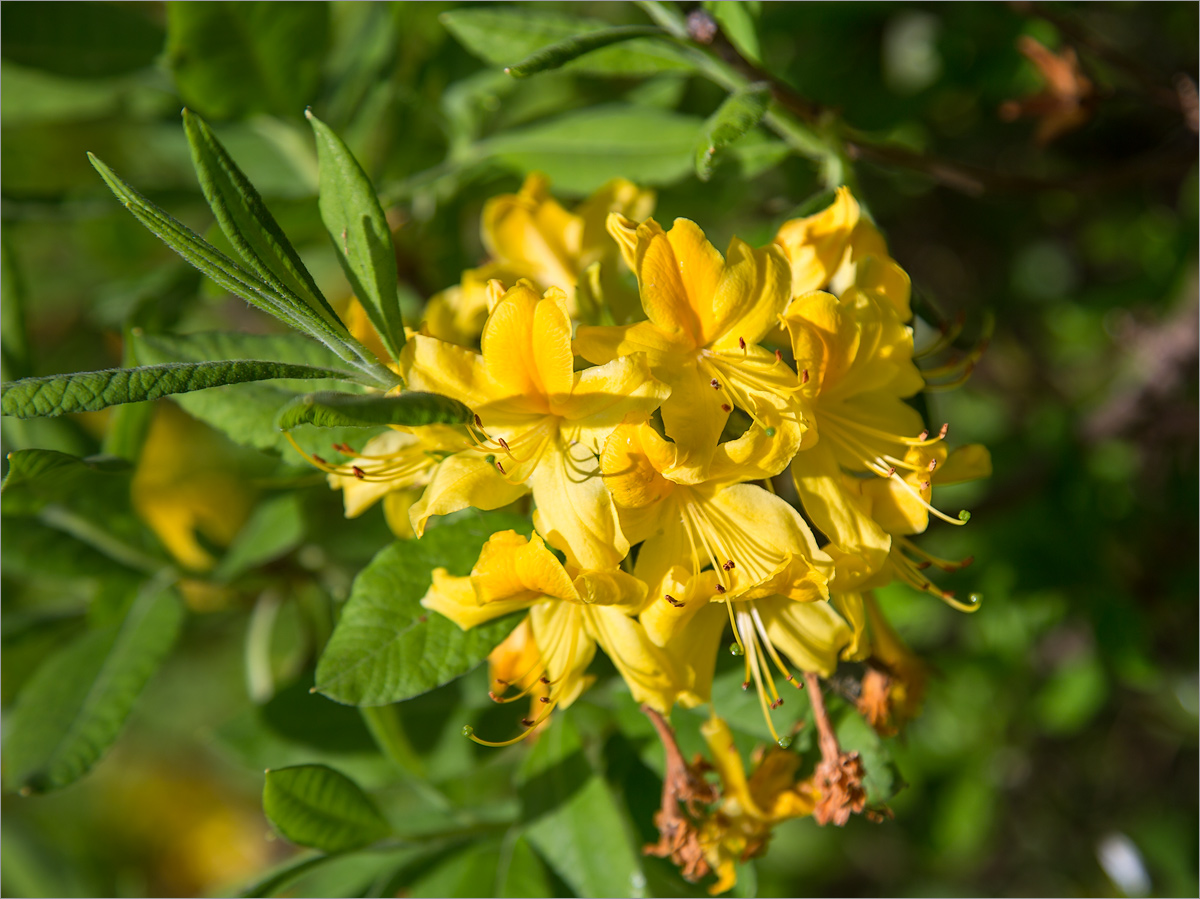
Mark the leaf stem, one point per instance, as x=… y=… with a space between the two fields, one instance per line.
x=96 y=537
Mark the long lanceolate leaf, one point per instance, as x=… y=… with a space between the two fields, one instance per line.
x=329 y=409
x=351 y=212
x=740 y=112
x=237 y=280
x=248 y=223
x=562 y=52
x=92 y=390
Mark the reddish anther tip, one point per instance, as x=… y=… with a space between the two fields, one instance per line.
x=545 y=680
x=672 y=600
x=478 y=421
x=543 y=699
x=358 y=472
x=714 y=384
x=949 y=594
x=932 y=464
x=779 y=355
x=967 y=561
x=745 y=685
x=945 y=428
x=925 y=485
x=527 y=722
x=891 y=471
x=318 y=459
x=725 y=407
x=804 y=376
x=493 y=697
x=728 y=566
x=720 y=588
x=924 y=435
x=499 y=468
x=921 y=566
x=503 y=443
x=742 y=342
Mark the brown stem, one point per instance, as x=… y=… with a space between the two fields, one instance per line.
x=830 y=750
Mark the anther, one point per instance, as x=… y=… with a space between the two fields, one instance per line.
x=545 y=679
x=493 y=697
x=777 y=703
x=672 y=600
x=779 y=355
x=358 y=472
x=932 y=464
x=720 y=588
x=745 y=685
x=344 y=449
x=478 y=421
x=714 y=384
x=728 y=566
x=921 y=566
x=499 y=467
x=503 y=443
x=527 y=722
x=924 y=435
x=742 y=342
x=925 y=485
x=543 y=699
x=804 y=376
x=945 y=428
x=967 y=561
x=891 y=471
x=725 y=407
x=319 y=460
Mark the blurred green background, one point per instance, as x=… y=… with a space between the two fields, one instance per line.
x=1057 y=753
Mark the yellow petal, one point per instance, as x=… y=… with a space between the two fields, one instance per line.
x=667 y=297
x=810 y=634
x=560 y=628
x=616 y=196
x=645 y=667
x=604 y=395
x=455 y=598
x=515 y=568
x=603 y=344
x=700 y=269
x=853 y=610
x=574 y=509
x=527 y=345
x=531 y=231
x=817 y=244
x=440 y=367
x=753 y=289
x=611 y=588
x=728 y=762
x=632 y=461
x=396 y=506
x=966 y=463
x=693 y=649
x=461 y=481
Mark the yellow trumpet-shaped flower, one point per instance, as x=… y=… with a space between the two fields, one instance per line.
x=855 y=358
x=570 y=612
x=530 y=235
x=539 y=422
x=706 y=315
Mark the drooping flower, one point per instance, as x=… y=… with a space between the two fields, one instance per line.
x=530 y=235
x=540 y=424
x=705 y=317
x=570 y=612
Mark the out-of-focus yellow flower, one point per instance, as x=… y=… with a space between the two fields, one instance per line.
x=569 y=613
x=539 y=422
x=706 y=315
x=185 y=487
x=530 y=235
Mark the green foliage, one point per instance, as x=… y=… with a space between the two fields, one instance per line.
x=94 y=390
x=740 y=112
x=386 y=646
x=559 y=54
x=341 y=410
x=360 y=234
x=80 y=40
x=314 y=805
x=72 y=710
x=232 y=60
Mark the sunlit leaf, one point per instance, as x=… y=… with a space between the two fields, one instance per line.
x=738 y=114
x=314 y=805
x=328 y=409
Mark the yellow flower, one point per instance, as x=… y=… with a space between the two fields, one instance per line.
x=529 y=235
x=750 y=808
x=570 y=611
x=540 y=423
x=184 y=486
x=706 y=315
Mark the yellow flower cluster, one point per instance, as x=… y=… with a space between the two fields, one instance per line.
x=655 y=441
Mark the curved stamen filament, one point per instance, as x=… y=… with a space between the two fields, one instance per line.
x=395 y=466
x=928 y=559
x=910 y=575
x=949 y=334
x=762 y=630
x=754 y=650
x=851 y=424
x=529 y=728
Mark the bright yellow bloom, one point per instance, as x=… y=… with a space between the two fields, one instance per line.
x=529 y=235
x=541 y=423
x=706 y=315
x=750 y=808
x=570 y=611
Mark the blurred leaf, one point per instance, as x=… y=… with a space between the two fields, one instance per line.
x=498 y=35
x=233 y=59
x=571 y=817
x=560 y=53
x=275 y=528
x=80 y=40
x=329 y=409
x=580 y=151
x=739 y=113
x=524 y=873
x=387 y=647
x=855 y=735
x=94 y=390
x=74 y=706
x=1072 y=696
x=738 y=24
x=247 y=222
x=34 y=549
x=14 y=348
x=313 y=805
x=200 y=346
x=38 y=477
x=283 y=875
x=360 y=233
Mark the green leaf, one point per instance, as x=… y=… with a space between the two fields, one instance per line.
x=522 y=873
x=574 y=821
x=284 y=875
x=93 y=390
x=500 y=34
x=387 y=647
x=562 y=52
x=37 y=477
x=230 y=60
x=880 y=780
x=216 y=346
x=74 y=706
x=276 y=527
x=737 y=22
x=313 y=805
x=361 y=237
x=231 y=276
x=740 y=112
x=80 y=40
x=247 y=222
x=582 y=150
x=328 y=409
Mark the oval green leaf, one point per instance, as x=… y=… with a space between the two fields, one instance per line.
x=740 y=112
x=92 y=390
x=562 y=52
x=387 y=647
x=314 y=805
x=329 y=409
